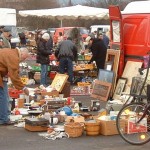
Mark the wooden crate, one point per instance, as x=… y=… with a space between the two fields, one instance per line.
x=83 y=83
x=59 y=81
x=87 y=57
x=35 y=128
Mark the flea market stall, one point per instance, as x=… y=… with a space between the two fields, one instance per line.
x=55 y=111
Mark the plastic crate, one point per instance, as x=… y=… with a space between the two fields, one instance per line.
x=38 y=68
x=87 y=57
x=83 y=83
x=80 y=57
x=14 y=93
x=52 y=74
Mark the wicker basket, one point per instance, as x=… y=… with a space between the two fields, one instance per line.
x=74 y=129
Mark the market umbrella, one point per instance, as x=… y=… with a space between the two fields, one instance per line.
x=72 y=12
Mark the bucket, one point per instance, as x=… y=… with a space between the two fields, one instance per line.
x=20 y=102
x=92 y=128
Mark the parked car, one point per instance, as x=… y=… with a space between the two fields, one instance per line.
x=66 y=32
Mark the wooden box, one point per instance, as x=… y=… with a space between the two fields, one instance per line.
x=52 y=93
x=59 y=81
x=35 y=128
x=36 y=124
x=66 y=90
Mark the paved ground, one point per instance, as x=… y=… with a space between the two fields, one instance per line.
x=13 y=138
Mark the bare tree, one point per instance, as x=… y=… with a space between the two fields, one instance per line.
x=36 y=22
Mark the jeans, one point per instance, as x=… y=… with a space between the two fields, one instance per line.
x=44 y=73
x=7 y=95
x=66 y=65
x=4 y=115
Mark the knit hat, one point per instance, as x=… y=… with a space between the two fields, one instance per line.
x=6 y=29
x=45 y=36
x=1 y=27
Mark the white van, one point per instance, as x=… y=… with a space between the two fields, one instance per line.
x=100 y=28
x=8 y=19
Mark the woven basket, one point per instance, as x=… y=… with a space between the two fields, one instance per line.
x=74 y=129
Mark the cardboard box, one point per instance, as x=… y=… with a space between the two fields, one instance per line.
x=109 y=127
x=52 y=93
x=75 y=118
x=133 y=128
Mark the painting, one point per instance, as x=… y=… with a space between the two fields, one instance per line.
x=106 y=76
x=108 y=65
x=59 y=81
x=101 y=90
x=119 y=88
x=131 y=70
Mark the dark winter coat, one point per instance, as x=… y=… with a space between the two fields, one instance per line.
x=99 y=51
x=67 y=49
x=44 y=49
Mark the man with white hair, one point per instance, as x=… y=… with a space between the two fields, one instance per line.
x=9 y=64
x=44 y=49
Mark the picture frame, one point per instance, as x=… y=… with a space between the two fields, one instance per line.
x=106 y=75
x=113 y=56
x=101 y=90
x=108 y=65
x=119 y=88
x=59 y=81
x=131 y=70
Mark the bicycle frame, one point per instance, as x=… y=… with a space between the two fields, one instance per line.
x=145 y=112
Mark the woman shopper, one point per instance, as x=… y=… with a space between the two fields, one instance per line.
x=44 y=49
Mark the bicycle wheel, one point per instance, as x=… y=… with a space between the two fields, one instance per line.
x=127 y=126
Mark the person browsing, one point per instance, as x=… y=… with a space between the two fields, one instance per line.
x=9 y=64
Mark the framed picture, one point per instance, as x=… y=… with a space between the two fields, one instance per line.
x=101 y=90
x=59 y=81
x=106 y=76
x=119 y=88
x=108 y=65
x=113 y=56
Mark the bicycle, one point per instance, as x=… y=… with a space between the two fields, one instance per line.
x=133 y=120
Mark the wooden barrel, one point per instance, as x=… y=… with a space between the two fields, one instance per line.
x=92 y=128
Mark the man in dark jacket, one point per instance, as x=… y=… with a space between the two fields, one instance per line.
x=67 y=53
x=99 y=51
x=44 y=49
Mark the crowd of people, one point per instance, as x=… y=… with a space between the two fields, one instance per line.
x=66 y=52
